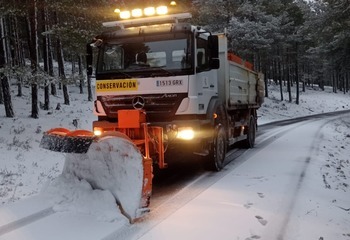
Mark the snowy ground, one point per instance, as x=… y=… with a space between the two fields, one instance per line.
x=313 y=101
x=274 y=192
x=25 y=169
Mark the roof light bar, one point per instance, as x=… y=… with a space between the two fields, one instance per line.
x=138 y=12
x=143 y=21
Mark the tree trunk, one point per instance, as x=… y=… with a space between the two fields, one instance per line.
x=72 y=76
x=45 y=41
x=89 y=70
x=2 y=54
x=334 y=80
x=278 y=73
x=5 y=96
x=266 y=85
x=17 y=55
x=347 y=82
x=1 y=96
x=33 y=51
x=296 y=74
x=51 y=73
x=274 y=71
x=279 y=68
x=303 y=72
x=5 y=32
x=61 y=72
x=81 y=76
x=289 y=87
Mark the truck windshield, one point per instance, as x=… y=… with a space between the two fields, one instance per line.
x=144 y=56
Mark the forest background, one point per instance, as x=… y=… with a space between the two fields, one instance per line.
x=294 y=43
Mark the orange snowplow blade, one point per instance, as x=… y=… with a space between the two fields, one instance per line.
x=109 y=162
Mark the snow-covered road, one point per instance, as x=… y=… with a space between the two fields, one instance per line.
x=278 y=190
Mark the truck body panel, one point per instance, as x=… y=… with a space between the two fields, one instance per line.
x=238 y=85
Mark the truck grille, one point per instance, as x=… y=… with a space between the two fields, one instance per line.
x=159 y=107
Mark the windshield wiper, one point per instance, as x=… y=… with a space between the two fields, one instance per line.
x=122 y=73
x=163 y=71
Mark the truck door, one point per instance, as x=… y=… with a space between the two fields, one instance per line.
x=206 y=77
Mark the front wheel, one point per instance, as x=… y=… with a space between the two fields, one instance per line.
x=218 y=150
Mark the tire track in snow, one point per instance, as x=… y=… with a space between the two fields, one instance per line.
x=295 y=193
x=12 y=226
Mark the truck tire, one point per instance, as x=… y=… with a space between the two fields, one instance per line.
x=216 y=158
x=214 y=161
x=251 y=132
x=219 y=149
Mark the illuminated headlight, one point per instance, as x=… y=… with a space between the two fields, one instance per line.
x=98 y=131
x=125 y=14
x=162 y=10
x=185 y=133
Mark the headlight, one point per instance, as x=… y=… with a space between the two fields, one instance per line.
x=185 y=133
x=98 y=131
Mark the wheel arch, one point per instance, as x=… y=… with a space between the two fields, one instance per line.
x=215 y=104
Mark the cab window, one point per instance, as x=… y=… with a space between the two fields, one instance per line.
x=202 y=55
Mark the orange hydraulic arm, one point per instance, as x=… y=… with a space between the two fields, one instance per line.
x=149 y=139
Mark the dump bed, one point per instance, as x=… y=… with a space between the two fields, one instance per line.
x=239 y=86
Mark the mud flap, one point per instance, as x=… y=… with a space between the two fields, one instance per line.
x=113 y=164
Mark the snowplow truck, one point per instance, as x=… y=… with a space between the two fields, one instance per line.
x=163 y=86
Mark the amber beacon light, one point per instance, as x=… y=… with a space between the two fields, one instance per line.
x=148 y=11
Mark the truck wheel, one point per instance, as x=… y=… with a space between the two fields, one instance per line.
x=250 y=141
x=218 y=150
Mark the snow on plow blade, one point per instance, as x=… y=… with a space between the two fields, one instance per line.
x=110 y=162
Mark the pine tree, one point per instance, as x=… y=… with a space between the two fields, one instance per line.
x=5 y=87
x=4 y=60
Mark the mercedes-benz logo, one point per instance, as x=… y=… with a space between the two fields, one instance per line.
x=138 y=102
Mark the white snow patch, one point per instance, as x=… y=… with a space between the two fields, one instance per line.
x=69 y=194
x=113 y=164
x=313 y=101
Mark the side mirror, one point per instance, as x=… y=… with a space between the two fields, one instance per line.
x=213 y=46
x=214 y=63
